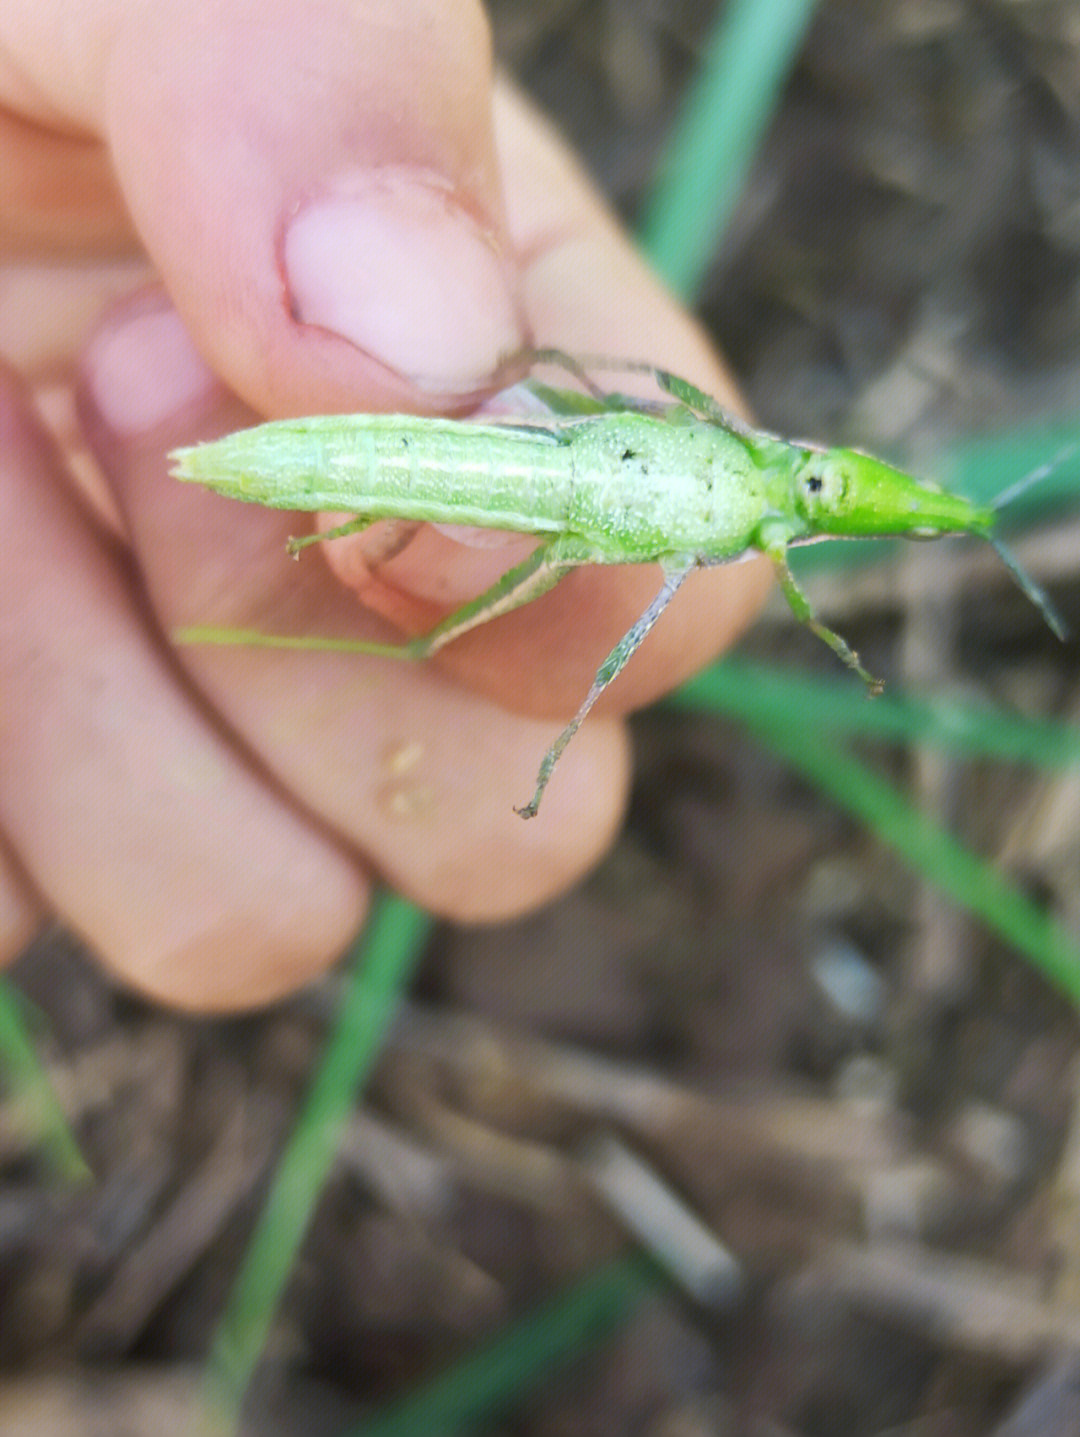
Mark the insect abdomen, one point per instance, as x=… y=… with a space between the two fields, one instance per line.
x=387 y=465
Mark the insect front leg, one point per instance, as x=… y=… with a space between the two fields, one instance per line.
x=800 y=607
x=394 y=536
x=675 y=571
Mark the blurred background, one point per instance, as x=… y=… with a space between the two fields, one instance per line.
x=865 y=1095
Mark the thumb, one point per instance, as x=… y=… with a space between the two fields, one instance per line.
x=316 y=184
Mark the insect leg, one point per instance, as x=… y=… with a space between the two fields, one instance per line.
x=675 y=571
x=696 y=400
x=700 y=403
x=575 y=367
x=596 y=400
x=800 y=607
x=537 y=573
x=351 y=526
x=394 y=536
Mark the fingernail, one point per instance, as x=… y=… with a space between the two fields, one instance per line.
x=392 y=263
x=141 y=369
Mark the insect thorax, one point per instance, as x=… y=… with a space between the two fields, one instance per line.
x=646 y=488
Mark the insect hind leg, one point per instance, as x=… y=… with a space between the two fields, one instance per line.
x=607 y=400
x=700 y=404
x=535 y=575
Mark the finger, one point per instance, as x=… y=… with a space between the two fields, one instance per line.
x=316 y=184
x=587 y=291
x=416 y=772
x=58 y=194
x=134 y=818
x=48 y=307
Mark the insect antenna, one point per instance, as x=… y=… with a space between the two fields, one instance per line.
x=1034 y=476
x=1034 y=591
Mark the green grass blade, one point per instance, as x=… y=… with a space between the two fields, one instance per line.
x=29 y=1083
x=761 y=693
x=497 y=1375
x=716 y=137
x=929 y=849
x=381 y=967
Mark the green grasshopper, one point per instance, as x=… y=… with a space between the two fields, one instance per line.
x=600 y=479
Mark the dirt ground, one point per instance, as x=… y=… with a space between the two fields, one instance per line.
x=867 y=1097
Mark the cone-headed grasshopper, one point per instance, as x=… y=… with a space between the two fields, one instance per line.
x=600 y=479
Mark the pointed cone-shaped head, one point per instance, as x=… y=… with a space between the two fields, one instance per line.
x=843 y=492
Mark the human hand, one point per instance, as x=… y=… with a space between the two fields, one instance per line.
x=343 y=221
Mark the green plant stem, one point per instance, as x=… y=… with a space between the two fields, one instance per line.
x=377 y=977
x=931 y=851
x=723 y=117
x=755 y=692
x=24 y=1072
x=498 y=1373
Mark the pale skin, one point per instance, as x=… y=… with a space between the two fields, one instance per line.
x=212 y=828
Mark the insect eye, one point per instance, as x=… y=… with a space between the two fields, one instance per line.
x=814 y=483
